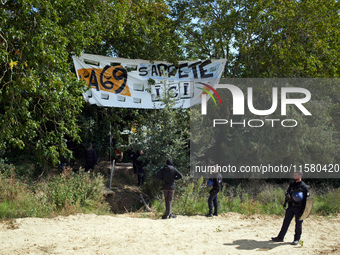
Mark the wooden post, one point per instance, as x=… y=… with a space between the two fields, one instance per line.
x=112 y=169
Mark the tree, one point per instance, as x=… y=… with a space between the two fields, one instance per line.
x=40 y=97
x=164 y=133
x=132 y=29
x=261 y=38
x=139 y=30
x=289 y=39
x=272 y=39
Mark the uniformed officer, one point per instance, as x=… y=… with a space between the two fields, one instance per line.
x=216 y=187
x=296 y=196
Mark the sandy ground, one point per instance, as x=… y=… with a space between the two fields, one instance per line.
x=121 y=234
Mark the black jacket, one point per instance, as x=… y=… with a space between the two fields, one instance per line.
x=217 y=183
x=141 y=163
x=91 y=156
x=298 y=186
x=168 y=174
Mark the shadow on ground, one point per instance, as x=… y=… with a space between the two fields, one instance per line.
x=248 y=244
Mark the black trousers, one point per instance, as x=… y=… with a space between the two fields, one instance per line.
x=134 y=164
x=213 y=202
x=290 y=213
x=140 y=179
x=168 y=197
x=89 y=165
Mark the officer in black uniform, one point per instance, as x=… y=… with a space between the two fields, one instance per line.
x=217 y=186
x=296 y=196
x=141 y=163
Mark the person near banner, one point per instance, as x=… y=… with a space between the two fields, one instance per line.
x=168 y=174
x=133 y=156
x=296 y=196
x=130 y=153
x=62 y=160
x=216 y=181
x=90 y=157
x=62 y=163
x=141 y=164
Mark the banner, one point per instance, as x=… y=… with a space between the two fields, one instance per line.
x=134 y=83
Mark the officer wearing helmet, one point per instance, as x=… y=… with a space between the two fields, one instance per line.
x=296 y=196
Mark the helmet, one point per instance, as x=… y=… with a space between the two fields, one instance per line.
x=210 y=183
x=297 y=196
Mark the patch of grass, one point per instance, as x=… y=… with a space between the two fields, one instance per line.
x=65 y=194
x=252 y=198
x=79 y=190
x=327 y=204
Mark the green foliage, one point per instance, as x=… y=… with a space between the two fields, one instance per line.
x=248 y=198
x=95 y=123
x=67 y=193
x=314 y=139
x=201 y=136
x=6 y=168
x=327 y=204
x=261 y=38
x=188 y=198
x=40 y=97
x=163 y=134
x=17 y=199
x=270 y=39
x=271 y=200
x=82 y=189
x=140 y=29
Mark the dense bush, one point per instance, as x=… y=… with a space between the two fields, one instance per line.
x=66 y=193
x=17 y=199
x=327 y=204
x=83 y=190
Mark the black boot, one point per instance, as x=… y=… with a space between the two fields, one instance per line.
x=172 y=216
x=277 y=239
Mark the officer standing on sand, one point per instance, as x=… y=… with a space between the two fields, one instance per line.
x=296 y=196
x=217 y=186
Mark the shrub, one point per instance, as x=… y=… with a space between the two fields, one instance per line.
x=67 y=193
x=79 y=190
x=327 y=204
x=192 y=195
x=17 y=199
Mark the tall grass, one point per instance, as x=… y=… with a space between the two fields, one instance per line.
x=328 y=203
x=82 y=191
x=66 y=193
x=251 y=197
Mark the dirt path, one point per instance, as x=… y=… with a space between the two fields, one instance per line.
x=227 y=234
